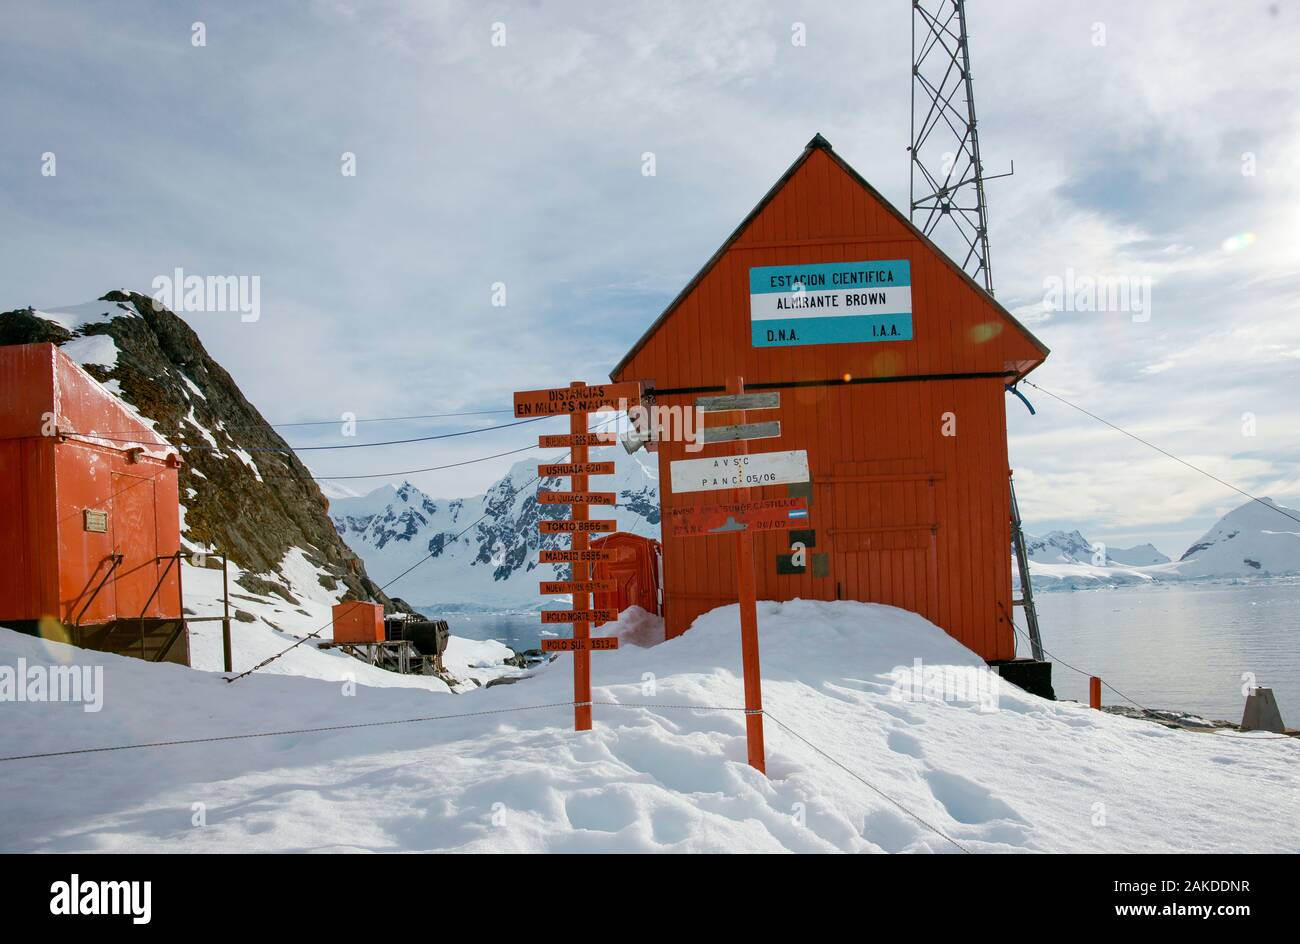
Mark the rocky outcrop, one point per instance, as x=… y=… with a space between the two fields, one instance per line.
x=244 y=492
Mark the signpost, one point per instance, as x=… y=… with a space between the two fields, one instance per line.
x=576 y=498
x=739 y=471
x=768 y=514
x=742 y=518
x=593 y=615
x=554 y=587
x=745 y=431
x=577 y=400
x=574 y=527
x=580 y=645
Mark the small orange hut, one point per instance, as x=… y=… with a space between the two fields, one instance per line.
x=91 y=527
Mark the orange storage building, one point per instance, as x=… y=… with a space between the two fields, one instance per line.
x=904 y=422
x=358 y=622
x=635 y=570
x=91 y=522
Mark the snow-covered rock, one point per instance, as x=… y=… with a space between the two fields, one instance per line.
x=972 y=762
x=243 y=491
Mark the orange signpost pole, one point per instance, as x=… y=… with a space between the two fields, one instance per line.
x=581 y=572
x=748 y=597
x=578 y=400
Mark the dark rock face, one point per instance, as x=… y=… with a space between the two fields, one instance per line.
x=254 y=517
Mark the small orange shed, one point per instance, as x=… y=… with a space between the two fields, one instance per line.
x=91 y=526
x=357 y=622
x=635 y=570
x=897 y=395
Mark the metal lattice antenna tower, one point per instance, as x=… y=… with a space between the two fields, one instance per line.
x=947 y=195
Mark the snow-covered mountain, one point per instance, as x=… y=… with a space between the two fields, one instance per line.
x=489 y=563
x=1071 y=547
x=1257 y=539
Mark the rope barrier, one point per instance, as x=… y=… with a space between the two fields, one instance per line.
x=322 y=729
x=868 y=784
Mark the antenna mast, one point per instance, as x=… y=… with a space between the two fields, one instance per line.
x=947 y=182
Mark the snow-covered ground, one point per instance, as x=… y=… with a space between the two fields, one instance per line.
x=278 y=624
x=992 y=767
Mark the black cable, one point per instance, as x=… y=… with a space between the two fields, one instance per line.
x=868 y=784
x=1163 y=452
x=288 y=448
x=432 y=468
x=262 y=734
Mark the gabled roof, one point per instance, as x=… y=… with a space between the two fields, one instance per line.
x=819 y=143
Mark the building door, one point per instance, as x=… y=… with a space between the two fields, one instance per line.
x=884 y=534
x=135 y=537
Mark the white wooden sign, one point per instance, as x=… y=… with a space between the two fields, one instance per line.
x=751 y=471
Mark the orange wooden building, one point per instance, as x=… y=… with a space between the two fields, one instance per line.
x=905 y=432
x=91 y=520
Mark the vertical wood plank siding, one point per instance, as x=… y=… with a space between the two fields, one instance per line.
x=907 y=516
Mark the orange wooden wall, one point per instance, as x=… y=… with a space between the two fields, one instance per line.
x=906 y=515
x=47 y=482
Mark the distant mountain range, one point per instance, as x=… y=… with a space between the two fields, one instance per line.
x=1258 y=539
x=492 y=563
x=483 y=551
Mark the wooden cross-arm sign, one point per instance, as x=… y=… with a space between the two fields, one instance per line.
x=584 y=399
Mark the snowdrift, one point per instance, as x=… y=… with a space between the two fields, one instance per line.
x=984 y=769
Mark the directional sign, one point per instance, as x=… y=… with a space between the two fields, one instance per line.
x=574 y=557
x=576 y=399
x=746 y=471
x=830 y=303
x=771 y=514
x=595 y=643
x=569 y=440
x=555 y=587
x=595 y=615
x=575 y=468
x=577 y=498
x=740 y=432
x=739 y=401
x=592 y=526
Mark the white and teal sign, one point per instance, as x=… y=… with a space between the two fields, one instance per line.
x=830 y=303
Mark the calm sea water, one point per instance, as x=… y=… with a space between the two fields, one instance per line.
x=519 y=631
x=1178 y=646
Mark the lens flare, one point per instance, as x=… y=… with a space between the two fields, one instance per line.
x=985 y=332
x=1239 y=242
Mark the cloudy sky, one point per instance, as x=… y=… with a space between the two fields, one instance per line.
x=1151 y=141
